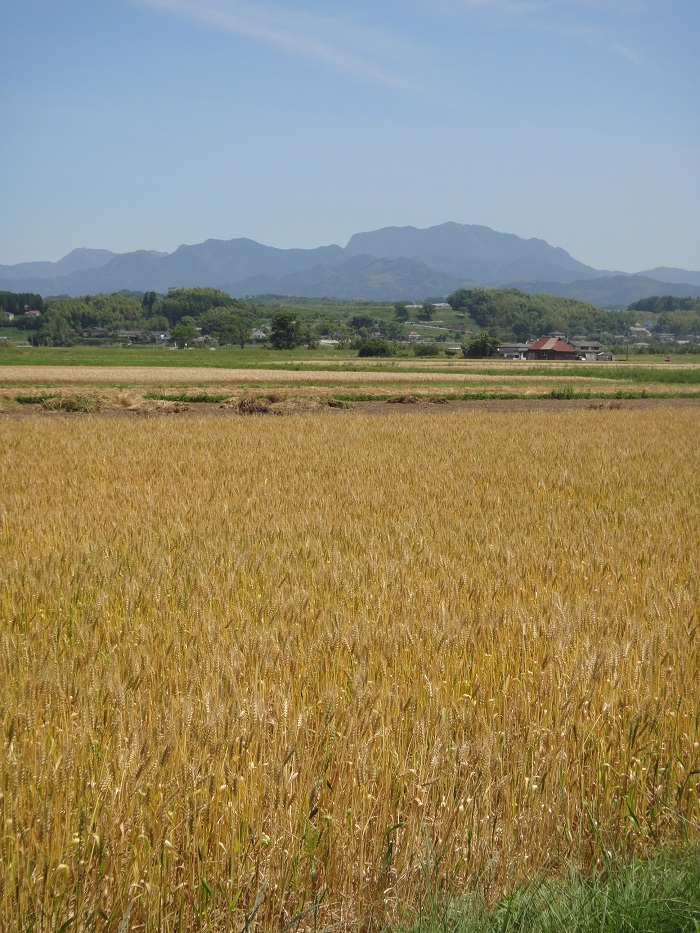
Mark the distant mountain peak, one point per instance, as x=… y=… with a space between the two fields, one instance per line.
x=392 y=263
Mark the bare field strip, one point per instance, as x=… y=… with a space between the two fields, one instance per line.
x=144 y=375
x=235 y=380
x=519 y=366
x=330 y=666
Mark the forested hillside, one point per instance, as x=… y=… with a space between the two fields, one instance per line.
x=677 y=316
x=510 y=313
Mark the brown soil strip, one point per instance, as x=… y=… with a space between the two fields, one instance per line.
x=420 y=407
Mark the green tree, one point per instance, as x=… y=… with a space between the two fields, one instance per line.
x=426 y=312
x=392 y=330
x=426 y=349
x=363 y=323
x=285 y=333
x=18 y=302
x=219 y=318
x=184 y=335
x=401 y=313
x=236 y=330
x=193 y=302
x=375 y=346
x=343 y=335
x=482 y=346
x=157 y=323
x=310 y=336
x=148 y=301
x=459 y=299
x=56 y=329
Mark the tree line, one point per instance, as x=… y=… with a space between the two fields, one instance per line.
x=187 y=315
x=183 y=312
x=511 y=314
x=677 y=316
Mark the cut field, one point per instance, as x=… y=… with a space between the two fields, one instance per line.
x=361 y=380
x=312 y=670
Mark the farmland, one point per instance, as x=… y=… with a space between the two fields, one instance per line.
x=229 y=374
x=318 y=668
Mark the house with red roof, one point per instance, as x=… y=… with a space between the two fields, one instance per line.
x=551 y=348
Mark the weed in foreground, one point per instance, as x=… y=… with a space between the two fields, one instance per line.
x=658 y=895
x=36 y=399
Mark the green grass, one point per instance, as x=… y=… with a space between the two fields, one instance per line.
x=35 y=399
x=616 y=373
x=658 y=374
x=332 y=360
x=660 y=895
x=643 y=359
x=561 y=394
x=223 y=358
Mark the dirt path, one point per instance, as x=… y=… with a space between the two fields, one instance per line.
x=424 y=407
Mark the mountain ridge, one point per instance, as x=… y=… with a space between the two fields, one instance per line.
x=388 y=264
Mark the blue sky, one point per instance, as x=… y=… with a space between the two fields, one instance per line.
x=144 y=124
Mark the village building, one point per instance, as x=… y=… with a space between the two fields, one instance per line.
x=513 y=351
x=134 y=336
x=587 y=349
x=551 y=348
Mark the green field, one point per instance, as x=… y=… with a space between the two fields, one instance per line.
x=684 y=369
x=222 y=358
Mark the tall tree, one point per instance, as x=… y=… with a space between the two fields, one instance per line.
x=286 y=331
x=236 y=330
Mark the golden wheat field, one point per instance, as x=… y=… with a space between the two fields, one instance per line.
x=306 y=670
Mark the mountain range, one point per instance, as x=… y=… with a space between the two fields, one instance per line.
x=391 y=264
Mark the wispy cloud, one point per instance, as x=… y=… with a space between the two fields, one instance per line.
x=623 y=7
x=597 y=23
x=499 y=6
x=631 y=55
x=338 y=44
